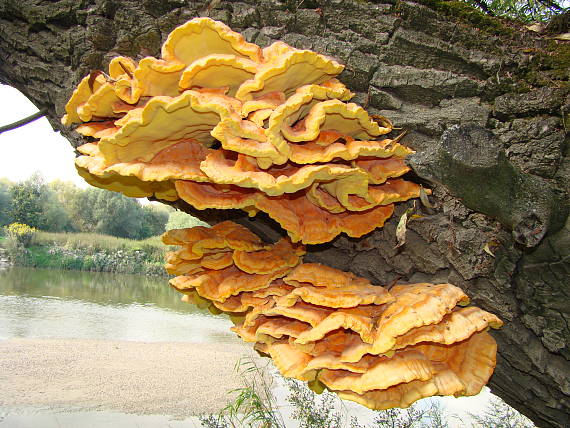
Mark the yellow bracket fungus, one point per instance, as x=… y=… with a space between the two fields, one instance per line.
x=200 y=37
x=221 y=123
x=381 y=348
x=347 y=148
x=333 y=115
x=178 y=161
x=289 y=71
x=87 y=89
x=289 y=178
x=164 y=121
x=275 y=129
x=130 y=186
x=218 y=71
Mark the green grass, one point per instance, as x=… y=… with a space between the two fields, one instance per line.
x=98 y=242
x=39 y=257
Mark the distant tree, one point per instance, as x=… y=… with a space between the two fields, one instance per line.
x=522 y=10
x=61 y=206
x=427 y=413
x=154 y=221
x=100 y=211
x=312 y=410
x=5 y=203
x=40 y=205
x=81 y=209
x=27 y=198
x=181 y=220
x=499 y=414
x=55 y=216
x=117 y=215
x=65 y=192
x=59 y=210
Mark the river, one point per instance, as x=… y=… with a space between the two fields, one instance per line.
x=44 y=303
x=61 y=332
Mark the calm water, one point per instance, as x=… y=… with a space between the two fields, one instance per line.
x=87 y=305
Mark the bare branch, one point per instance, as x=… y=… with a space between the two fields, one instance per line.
x=23 y=121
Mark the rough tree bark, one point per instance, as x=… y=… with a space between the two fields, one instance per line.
x=500 y=173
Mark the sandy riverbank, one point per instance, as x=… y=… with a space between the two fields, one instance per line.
x=177 y=379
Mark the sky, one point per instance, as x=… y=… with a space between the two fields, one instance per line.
x=32 y=147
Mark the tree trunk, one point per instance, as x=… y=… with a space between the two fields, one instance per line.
x=485 y=106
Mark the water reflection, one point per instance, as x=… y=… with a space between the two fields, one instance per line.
x=93 y=287
x=69 y=304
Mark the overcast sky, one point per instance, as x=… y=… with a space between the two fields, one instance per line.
x=33 y=147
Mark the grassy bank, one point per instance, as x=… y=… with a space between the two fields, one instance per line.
x=90 y=252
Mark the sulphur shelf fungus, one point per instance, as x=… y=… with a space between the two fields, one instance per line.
x=222 y=123
x=381 y=348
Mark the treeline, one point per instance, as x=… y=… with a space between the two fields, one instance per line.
x=63 y=207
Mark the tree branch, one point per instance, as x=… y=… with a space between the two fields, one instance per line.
x=551 y=4
x=23 y=121
x=484 y=7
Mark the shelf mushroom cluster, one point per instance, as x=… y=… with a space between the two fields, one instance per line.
x=221 y=123
x=381 y=348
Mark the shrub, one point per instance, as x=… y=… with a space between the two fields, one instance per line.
x=253 y=405
x=21 y=233
x=90 y=252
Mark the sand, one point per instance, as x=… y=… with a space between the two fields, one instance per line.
x=176 y=379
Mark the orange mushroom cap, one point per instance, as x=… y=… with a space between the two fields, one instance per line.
x=312 y=224
x=282 y=254
x=382 y=373
x=410 y=343
x=404 y=394
x=415 y=305
x=219 y=285
x=459 y=369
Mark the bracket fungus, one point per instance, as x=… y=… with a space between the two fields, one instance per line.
x=381 y=348
x=221 y=123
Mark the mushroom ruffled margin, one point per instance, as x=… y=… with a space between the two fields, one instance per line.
x=381 y=348
x=222 y=123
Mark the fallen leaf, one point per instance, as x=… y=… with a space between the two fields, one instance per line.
x=92 y=76
x=125 y=70
x=424 y=198
x=488 y=245
x=402 y=228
